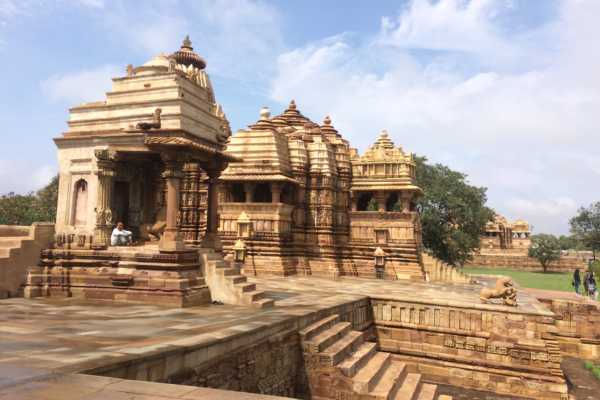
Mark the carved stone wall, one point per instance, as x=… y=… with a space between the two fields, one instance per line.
x=578 y=327
x=486 y=349
x=271 y=367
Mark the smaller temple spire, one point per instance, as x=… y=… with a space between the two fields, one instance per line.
x=292 y=105
x=186 y=55
x=265 y=113
x=327 y=121
x=187 y=43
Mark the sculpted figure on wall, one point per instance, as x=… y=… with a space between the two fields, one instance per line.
x=504 y=289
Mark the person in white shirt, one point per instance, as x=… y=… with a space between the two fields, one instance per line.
x=120 y=237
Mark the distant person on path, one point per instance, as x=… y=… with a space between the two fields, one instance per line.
x=576 y=280
x=592 y=290
x=120 y=237
x=586 y=281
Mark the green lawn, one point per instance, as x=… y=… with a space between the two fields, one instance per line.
x=537 y=280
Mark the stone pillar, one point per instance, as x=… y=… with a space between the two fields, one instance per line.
x=276 y=192
x=171 y=239
x=380 y=197
x=104 y=216
x=405 y=199
x=248 y=189
x=211 y=239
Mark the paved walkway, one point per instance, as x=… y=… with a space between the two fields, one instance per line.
x=40 y=338
x=556 y=294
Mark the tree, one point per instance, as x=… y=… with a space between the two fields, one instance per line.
x=17 y=209
x=453 y=212
x=585 y=226
x=544 y=248
x=570 y=242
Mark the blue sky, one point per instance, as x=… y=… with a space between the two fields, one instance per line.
x=507 y=91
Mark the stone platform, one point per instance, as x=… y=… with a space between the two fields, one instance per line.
x=140 y=274
x=228 y=346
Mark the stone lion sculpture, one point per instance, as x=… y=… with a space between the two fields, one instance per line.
x=504 y=289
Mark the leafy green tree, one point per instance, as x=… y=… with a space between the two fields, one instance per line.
x=570 y=242
x=17 y=209
x=544 y=248
x=453 y=212
x=585 y=226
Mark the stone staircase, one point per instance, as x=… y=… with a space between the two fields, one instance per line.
x=438 y=271
x=20 y=248
x=227 y=284
x=340 y=364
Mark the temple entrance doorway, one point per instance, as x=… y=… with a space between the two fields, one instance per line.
x=121 y=202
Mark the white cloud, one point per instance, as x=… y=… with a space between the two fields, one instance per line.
x=91 y=3
x=13 y=176
x=544 y=213
x=237 y=38
x=80 y=86
x=502 y=114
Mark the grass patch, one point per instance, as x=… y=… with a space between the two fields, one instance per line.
x=594 y=369
x=535 y=280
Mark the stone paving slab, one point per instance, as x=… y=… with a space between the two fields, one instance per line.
x=45 y=336
x=90 y=387
x=293 y=290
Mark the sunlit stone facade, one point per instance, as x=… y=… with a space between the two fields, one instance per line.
x=315 y=205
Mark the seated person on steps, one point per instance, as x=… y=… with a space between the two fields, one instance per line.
x=121 y=237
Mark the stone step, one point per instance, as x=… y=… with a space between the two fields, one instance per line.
x=8 y=242
x=254 y=295
x=314 y=329
x=368 y=376
x=326 y=338
x=335 y=353
x=390 y=382
x=229 y=271
x=358 y=359
x=246 y=287
x=443 y=397
x=219 y=263
x=409 y=388
x=263 y=303
x=4 y=252
x=235 y=279
x=428 y=392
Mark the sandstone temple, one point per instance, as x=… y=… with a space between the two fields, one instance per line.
x=275 y=261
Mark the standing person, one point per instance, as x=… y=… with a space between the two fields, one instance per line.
x=586 y=281
x=120 y=237
x=593 y=292
x=576 y=280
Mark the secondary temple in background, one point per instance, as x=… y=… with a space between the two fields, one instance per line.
x=501 y=236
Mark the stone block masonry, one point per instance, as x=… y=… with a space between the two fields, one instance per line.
x=499 y=350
